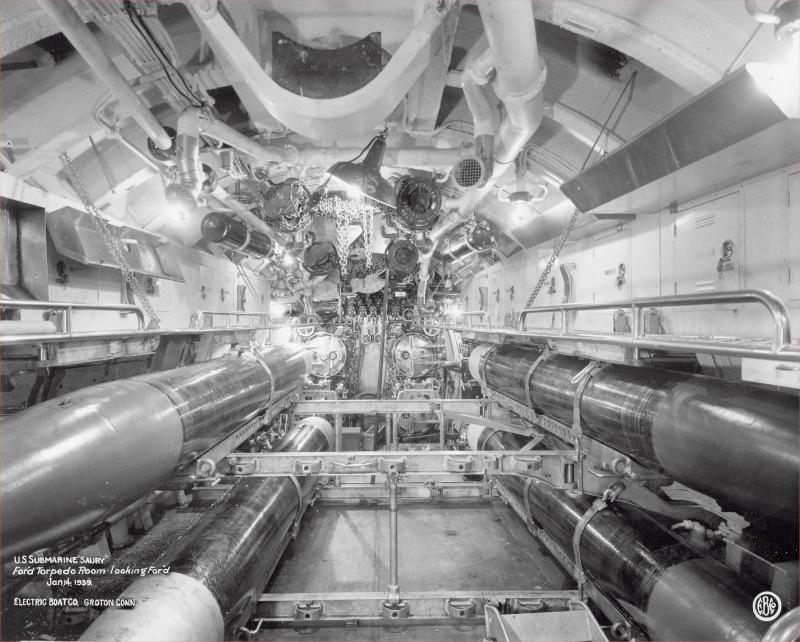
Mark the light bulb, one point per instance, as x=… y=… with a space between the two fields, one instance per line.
x=277 y=310
x=353 y=192
x=781 y=80
x=522 y=210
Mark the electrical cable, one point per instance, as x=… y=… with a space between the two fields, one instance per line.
x=749 y=41
x=157 y=49
x=608 y=119
x=573 y=219
x=161 y=57
x=366 y=147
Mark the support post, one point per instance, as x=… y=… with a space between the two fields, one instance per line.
x=391 y=428
x=394 y=581
x=393 y=607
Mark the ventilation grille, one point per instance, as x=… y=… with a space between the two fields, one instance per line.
x=469 y=171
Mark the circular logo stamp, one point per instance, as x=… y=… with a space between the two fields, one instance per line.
x=766 y=606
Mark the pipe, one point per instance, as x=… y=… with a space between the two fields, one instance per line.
x=216 y=580
x=510 y=30
x=84 y=41
x=216 y=129
x=478 y=67
x=70 y=462
x=764 y=17
x=350 y=116
x=187 y=151
x=666 y=587
x=9 y=328
x=474 y=169
x=417 y=157
x=195 y=121
x=393 y=592
x=732 y=440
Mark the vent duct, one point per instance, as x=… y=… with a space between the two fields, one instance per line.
x=727 y=134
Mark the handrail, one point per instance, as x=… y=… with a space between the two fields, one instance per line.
x=778 y=347
x=474 y=313
x=68 y=306
x=110 y=335
x=780 y=316
x=210 y=314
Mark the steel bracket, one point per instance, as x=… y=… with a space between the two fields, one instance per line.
x=243 y=465
x=457 y=464
x=392 y=465
x=302 y=503
x=460 y=608
x=309 y=611
x=308 y=466
x=351 y=466
x=527 y=465
x=599 y=504
x=552 y=426
x=394 y=611
x=545 y=354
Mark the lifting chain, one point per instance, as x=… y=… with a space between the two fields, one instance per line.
x=367 y=214
x=553 y=257
x=342 y=227
x=111 y=241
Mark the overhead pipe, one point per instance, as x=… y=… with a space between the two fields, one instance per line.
x=666 y=587
x=474 y=169
x=263 y=155
x=350 y=116
x=478 y=70
x=87 y=45
x=187 y=151
x=732 y=440
x=764 y=17
x=520 y=76
x=417 y=157
x=191 y=124
x=215 y=582
x=71 y=462
x=195 y=121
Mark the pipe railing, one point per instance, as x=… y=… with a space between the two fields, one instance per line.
x=205 y=319
x=782 y=336
x=67 y=308
x=113 y=335
x=470 y=314
x=779 y=345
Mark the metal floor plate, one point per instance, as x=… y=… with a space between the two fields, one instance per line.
x=471 y=545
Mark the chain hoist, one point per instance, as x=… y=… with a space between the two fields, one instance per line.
x=111 y=241
x=367 y=214
x=342 y=228
x=553 y=257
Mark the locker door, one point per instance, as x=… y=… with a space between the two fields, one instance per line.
x=707 y=246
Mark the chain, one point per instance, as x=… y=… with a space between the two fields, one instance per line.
x=553 y=257
x=389 y=369
x=111 y=241
x=366 y=224
x=342 y=226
